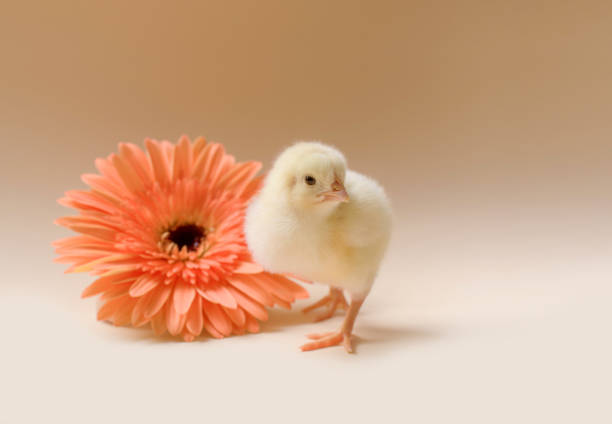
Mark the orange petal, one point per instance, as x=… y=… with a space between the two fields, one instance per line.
x=109 y=308
x=217 y=293
x=107 y=260
x=159 y=161
x=280 y=302
x=90 y=200
x=143 y=285
x=281 y=283
x=217 y=318
x=107 y=281
x=246 y=285
x=78 y=255
x=158 y=300
x=252 y=325
x=96 y=231
x=174 y=320
x=198 y=146
x=118 y=289
x=79 y=241
x=108 y=171
x=210 y=328
x=123 y=314
x=237 y=316
x=138 y=316
x=240 y=175
x=249 y=305
x=183 y=296
x=129 y=177
x=248 y=268
x=252 y=188
x=195 y=320
x=137 y=160
x=158 y=322
x=182 y=159
x=273 y=287
x=213 y=155
x=104 y=186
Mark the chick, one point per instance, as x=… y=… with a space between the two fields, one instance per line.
x=316 y=219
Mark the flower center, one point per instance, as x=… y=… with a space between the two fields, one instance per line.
x=189 y=235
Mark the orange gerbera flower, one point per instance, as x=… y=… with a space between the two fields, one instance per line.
x=163 y=233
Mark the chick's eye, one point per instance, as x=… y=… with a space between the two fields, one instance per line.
x=310 y=180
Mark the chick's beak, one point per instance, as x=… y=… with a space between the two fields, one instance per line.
x=337 y=193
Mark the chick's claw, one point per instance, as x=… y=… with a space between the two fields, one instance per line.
x=328 y=339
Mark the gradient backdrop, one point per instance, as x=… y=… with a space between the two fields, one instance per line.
x=489 y=123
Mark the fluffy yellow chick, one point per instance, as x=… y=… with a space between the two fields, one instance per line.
x=316 y=219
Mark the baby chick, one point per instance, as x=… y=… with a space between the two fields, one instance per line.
x=316 y=219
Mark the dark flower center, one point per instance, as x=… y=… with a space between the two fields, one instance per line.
x=189 y=235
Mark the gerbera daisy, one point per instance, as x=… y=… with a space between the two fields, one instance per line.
x=162 y=231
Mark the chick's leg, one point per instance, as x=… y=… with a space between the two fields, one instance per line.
x=334 y=300
x=334 y=338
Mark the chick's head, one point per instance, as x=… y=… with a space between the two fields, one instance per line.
x=311 y=177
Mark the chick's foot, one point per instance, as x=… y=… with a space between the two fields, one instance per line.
x=328 y=339
x=343 y=336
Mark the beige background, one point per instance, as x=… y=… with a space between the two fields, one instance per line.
x=487 y=121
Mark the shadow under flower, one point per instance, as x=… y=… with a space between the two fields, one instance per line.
x=279 y=319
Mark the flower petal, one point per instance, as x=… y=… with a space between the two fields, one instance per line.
x=237 y=316
x=281 y=303
x=252 y=188
x=138 y=316
x=239 y=175
x=103 y=186
x=96 y=231
x=89 y=200
x=252 y=325
x=143 y=285
x=129 y=177
x=107 y=281
x=174 y=320
x=217 y=318
x=107 y=261
x=213 y=155
x=246 y=286
x=123 y=314
x=198 y=146
x=109 y=308
x=138 y=161
x=248 y=268
x=195 y=320
x=249 y=305
x=183 y=296
x=281 y=286
x=216 y=293
x=159 y=161
x=158 y=300
x=182 y=159
x=158 y=323
x=210 y=328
